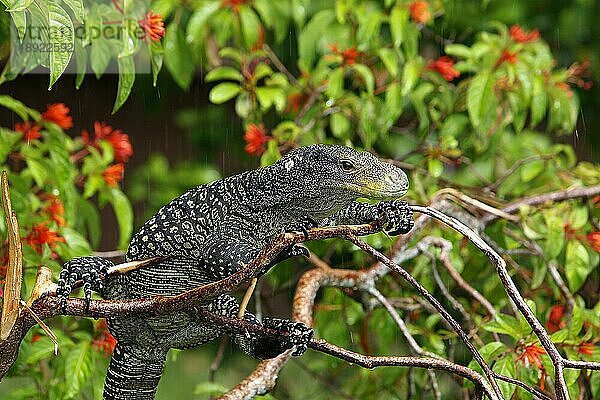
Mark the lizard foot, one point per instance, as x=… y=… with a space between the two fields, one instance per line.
x=395 y=217
x=87 y=269
x=299 y=334
x=302 y=225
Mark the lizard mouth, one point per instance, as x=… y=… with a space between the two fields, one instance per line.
x=380 y=191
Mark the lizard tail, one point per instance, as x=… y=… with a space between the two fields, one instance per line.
x=131 y=378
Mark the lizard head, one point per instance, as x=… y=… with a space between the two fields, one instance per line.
x=338 y=171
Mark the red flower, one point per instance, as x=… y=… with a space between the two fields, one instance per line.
x=113 y=174
x=349 y=55
x=40 y=235
x=119 y=141
x=556 y=318
x=234 y=4
x=419 y=11
x=531 y=355
x=586 y=348
x=59 y=114
x=594 y=240
x=30 y=130
x=508 y=56
x=445 y=67
x=256 y=137
x=103 y=340
x=56 y=210
x=153 y=25
x=521 y=36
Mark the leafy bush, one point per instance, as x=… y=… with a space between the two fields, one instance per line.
x=57 y=184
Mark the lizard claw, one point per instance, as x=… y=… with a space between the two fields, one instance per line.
x=90 y=270
x=395 y=217
x=302 y=225
x=297 y=250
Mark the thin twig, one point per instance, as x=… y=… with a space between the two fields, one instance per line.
x=279 y=65
x=559 y=195
x=435 y=303
x=412 y=343
x=513 y=293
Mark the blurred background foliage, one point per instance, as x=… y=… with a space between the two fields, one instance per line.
x=458 y=91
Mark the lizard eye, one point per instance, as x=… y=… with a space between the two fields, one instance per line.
x=347 y=165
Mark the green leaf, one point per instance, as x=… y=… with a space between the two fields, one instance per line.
x=576 y=323
x=340 y=125
x=223 y=73
x=578 y=217
x=539 y=101
x=42 y=349
x=19 y=5
x=38 y=170
x=491 y=350
x=508 y=325
x=77 y=7
x=81 y=59
x=458 y=50
x=157 y=55
x=577 y=264
x=506 y=367
x=390 y=60
x=398 y=20
x=366 y=75
x=20 y=20
x=482 y=103
x=335 y=84
x=124 y=214
x=532 y=169
x=178 y=56
x=199 y=19
x=271 y=155
x=410 y=75
x=78 y=245
x=223 y=92
x=61 y=40
x=78 y=369
x=100 y=56
x=126 y=79
x=394 y=102
x=435 y=167
x=243 y=105
x=311 y=35
x=555 y=235
x=8 y=140
x=18 y=108
x=267 y=96
x=250 y=25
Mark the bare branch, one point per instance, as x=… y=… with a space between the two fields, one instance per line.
x=559 y=195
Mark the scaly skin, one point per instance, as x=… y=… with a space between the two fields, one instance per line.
x=212 y=230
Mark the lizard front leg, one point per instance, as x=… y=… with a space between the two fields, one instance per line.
x=394 y=216
x=90 y=270
x=227 y=256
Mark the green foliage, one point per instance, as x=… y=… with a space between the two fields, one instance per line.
x=54 y=181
